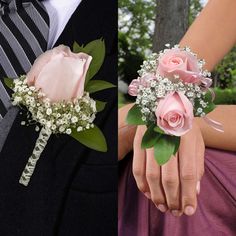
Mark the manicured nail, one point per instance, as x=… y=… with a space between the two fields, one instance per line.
x=175 y=212
x=198 y=187
x=189 y=210
x=148 y=195
x=162 y=207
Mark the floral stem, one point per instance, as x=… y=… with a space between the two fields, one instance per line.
x=32 y=161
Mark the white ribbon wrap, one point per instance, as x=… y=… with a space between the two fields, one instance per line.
x=32 y=161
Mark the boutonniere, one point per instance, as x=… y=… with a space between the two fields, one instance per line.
x=56 y=93
x=172 y=89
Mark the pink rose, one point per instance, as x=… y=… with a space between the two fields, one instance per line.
x=144 y=81
x=182 y=63
x=174 y=114
x=60 y=74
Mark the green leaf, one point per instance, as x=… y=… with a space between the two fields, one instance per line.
x=210 y=107
x=96 y=49
x=100 y=105
x=9 y=83
x=134 y=116
x=98 y=85
x=77 y=48
x=92 y=138
x=158 y=130
x=165 y=147
x=150 y=137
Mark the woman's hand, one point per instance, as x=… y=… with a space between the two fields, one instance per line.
x=174 y=185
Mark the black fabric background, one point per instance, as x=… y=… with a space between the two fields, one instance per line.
x=73 y=190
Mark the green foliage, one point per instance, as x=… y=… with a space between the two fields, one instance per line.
x=96 y=49
x=225 y=96
x=100 y=105
x=98 y=85
x=136 y=20
x=134 y=116
x=195 y=8
x=165 y=147
x=136 y=27
x=225 y=72
x=9 y=83
x=150 y=137
x=92 y=138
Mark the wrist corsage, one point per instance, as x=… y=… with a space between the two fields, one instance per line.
x=56 y=93
x=172 y=89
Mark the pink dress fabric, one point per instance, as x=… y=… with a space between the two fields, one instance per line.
x=215 y=215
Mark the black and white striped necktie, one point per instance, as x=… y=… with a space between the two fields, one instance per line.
x=24 y=29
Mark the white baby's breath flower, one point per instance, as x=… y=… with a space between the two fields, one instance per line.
x=84 y=117
x=61 y=129
x=17 y=99
x=32 y=88
x=68 y=131
x=74 y=119
x=43 y=121
x=49 y=124
x=68 y=116
x=49 y=111
x=53 y=127
x=39 y=115
x=47 y=104
x=199 y=110
x=79 y=129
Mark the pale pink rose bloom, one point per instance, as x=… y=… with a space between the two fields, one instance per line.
x=135 y=83
x=60 y=74
x=133 y=87
x=182 y=63
x=174 y=114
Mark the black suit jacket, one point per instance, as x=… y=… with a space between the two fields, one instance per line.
x=74 y=189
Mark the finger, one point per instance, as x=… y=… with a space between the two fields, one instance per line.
x=139 y=163
x=154 y=181
x=200 y=161
x=188 y=174
x=170 y=182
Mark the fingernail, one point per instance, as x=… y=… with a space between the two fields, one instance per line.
x=162 y=207
x=198 y=187
x=189 y=210
x=148 y=195
x=175 y=212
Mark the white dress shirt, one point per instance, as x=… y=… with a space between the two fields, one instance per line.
x=60 y=12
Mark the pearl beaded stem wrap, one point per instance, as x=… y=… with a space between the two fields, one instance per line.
x=32 y=162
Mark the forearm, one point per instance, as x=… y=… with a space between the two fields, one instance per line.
x=125 y=132
x=226 y=115
x=213 y=33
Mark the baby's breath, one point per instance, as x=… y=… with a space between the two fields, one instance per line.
x=59 y=117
